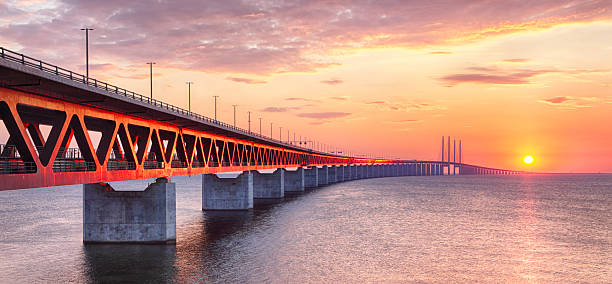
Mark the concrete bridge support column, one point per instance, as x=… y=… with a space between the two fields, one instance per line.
x=269 y=185
x=332 y=172
x=311 y=177
x=340 y=173
x=227 y=191
x=359 y=172
x=147 y=216
x=387 y=171
x=294 y=180
x=348 y=172
x=428 y=169
x=323 y=175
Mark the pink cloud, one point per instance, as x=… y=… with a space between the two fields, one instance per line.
x=245 y=80
x=556 y=100
x=266 y=37
x=324 y=115
x=332 y=81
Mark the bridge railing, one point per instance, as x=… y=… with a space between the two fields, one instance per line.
x=113 y=89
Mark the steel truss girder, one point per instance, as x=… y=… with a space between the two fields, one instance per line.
x=177 y=151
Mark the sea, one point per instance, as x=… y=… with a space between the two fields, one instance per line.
x=440 y=229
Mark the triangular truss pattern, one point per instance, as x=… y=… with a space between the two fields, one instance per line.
x=33 y=117
x=124 y=158
x=107 y=129
x=16 y=153
x=155 y=157
x=167 y=139
x=182 y=158
x=139 y=136
x=75 y=159
x=200 y=157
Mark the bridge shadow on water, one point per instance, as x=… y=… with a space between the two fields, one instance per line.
x=201 y=245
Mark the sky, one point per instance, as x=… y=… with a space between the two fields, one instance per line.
x=385 y=78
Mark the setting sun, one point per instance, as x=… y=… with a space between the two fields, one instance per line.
x=528 y=160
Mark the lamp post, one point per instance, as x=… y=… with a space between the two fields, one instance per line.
x=151 y=72
x=189 y=90
x=271 y=130
x=249 y=122
x=260 y=126
x=87 y=51
x=280 y=134
x=234 y=114
x=215 y=107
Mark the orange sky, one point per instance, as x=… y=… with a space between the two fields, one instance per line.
x=509 y=78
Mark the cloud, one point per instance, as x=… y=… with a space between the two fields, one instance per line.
x=515 y=60
x=301 y=99
x=324 y=115
x=409 y=121
x=440 y=52
x=340 y=98
x=496 y=76
x=568 y=102
x=405 y=106
x=265 y=37
x=556 y=100
x=245 y=80
x=332 y=81
x=274 y=109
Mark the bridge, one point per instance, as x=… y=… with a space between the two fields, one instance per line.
x=121 y=135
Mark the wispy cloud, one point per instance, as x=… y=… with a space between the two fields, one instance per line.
x=324 y=115
x=515 y=60
x=332 y=81
x=274 y=109
x=340 y=98
x=245 y=80
x=405 y=106
x=496 y=76
x=440 y=52
x=568 y=102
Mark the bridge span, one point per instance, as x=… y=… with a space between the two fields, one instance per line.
x=121 y=135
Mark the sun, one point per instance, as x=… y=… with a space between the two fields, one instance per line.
x=528 y=160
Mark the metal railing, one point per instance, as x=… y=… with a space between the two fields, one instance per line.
x=63 y=166
x=115 y=90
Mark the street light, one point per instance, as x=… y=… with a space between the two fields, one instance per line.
x=249 y=122
x=87 y=51
x=215 y=107
x=234 y=114
x=280 y=134
x=151 y=69
x=189 y=87
x=260 y=126
x=271 y=130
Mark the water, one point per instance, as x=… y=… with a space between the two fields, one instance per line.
x=553 y=228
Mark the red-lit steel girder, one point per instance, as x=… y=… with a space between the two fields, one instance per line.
x=128 y=147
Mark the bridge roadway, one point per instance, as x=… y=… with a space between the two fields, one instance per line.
x=122 y=135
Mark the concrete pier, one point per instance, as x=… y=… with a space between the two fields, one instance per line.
x=227 y=191
x=311 y=177
x=269 y=184
x=348 y=172
x=147 y=216
x=323 y=176
x=340 y=173
x=332 y=172
x=294 y=179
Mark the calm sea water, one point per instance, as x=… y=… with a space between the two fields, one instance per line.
x=551 y=228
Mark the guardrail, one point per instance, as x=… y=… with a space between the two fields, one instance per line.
x=112 y=89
